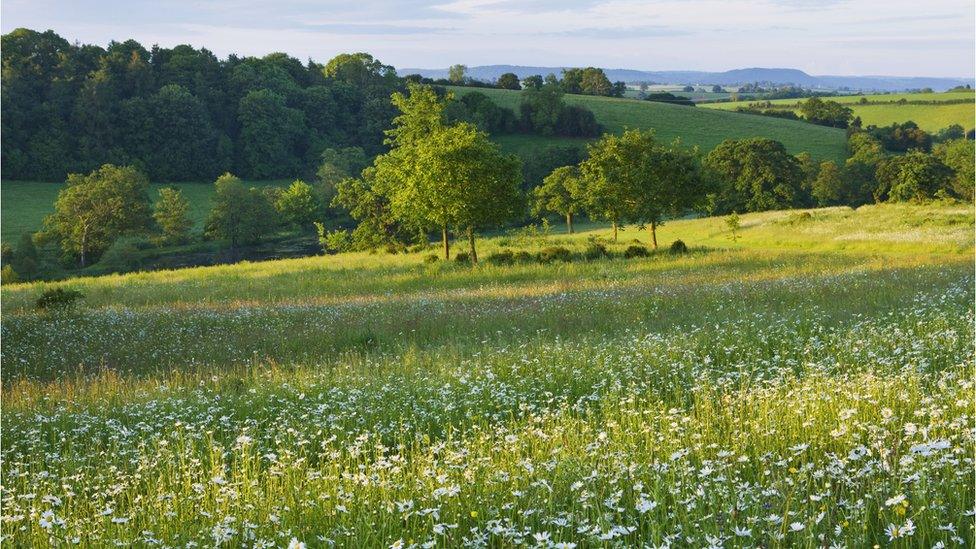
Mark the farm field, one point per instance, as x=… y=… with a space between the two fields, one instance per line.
x=808 y=384
x=695 y=126
x=25 y=204
x=930 y=118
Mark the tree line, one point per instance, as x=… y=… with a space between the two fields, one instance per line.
x=579 y=81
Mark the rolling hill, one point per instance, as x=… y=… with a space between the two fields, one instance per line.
x=705 y=128
x=883 y=110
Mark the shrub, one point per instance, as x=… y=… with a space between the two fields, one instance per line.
x=431 y=258
x=503 y=257
x=555 y=253
x=8 y=275
x=463 y=257
x=678 y=247
x=636 y=251
x=523 y=256
x=124 y=255
x=595 y=250
x=58 y=299
x=798 y=218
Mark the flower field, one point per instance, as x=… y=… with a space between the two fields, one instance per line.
x=809 y=385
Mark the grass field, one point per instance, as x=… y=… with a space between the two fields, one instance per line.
x=809 y=384
x=928 y=117
x=702 y=127
x=25 y=204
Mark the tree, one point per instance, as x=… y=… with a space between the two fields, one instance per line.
x=93 y=210
x=632 y=177
x=828 y=187
x=958 y=155
x=826 y=113
x=509 y=81
x=717 y=89
x=270 y=136
x=754 y=174
x=337 y=165
x=561 y=193
x=240 y=215
x=297 y=205
x=595 y=82
x=734 y=224
x=170 y=213
x=456 y=73
x=541 y=106
x=619 y=89
x=914 y=176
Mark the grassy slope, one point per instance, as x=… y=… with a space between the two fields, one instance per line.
x=311 y=397
x=704 y=128
x=24 y=204
x=928 y=117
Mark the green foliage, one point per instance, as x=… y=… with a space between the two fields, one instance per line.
x=826 y=112
x=337 y=241
x=636 y=250
x=170 y=214
x=124 y=255
x=297 y=205
x=914 y=176
x=958 y=155
x=58 y=299
x=828 y=188
x=8 y=275
x=902 y=137
x=734 y=224
x=754 y=174
x=501 y=257
x=552 y=254
x=509 y=81
x=239 y=215
x=456 y=73
x=463 y=258
x=93 y=210
x=270 y=135
x=562 y=193
x=678 y=247
x=595 y=250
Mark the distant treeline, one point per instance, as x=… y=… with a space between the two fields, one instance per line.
x=182 y=114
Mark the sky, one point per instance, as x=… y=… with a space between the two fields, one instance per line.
x=821 y=37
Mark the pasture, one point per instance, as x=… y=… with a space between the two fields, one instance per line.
x=808 y=384
x=704 y=128
x=885 y=109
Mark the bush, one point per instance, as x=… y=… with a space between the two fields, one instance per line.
x=58 y=299
x=124 y=255
x=463 y=257
x=636 y=251
x=8 y=275
x=503 y=257
x=798 y=218
x=554 y=253
x=523 y=256
x=678 y=247
x=431 y=258
x=595 y=250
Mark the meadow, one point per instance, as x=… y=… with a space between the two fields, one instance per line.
x=808 y=384
x=704 y=128
x=886 y=110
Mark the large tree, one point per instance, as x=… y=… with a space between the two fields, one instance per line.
x=913 y=176
x=170 y=214
x=94 y=210
x=509 y=81
x=754 y=174
x=958 y=155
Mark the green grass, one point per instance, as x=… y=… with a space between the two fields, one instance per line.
x=807 y=384
x=705 y=128
x=24 y=204
x=928 y=117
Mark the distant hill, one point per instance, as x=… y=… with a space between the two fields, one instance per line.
x=727 y=78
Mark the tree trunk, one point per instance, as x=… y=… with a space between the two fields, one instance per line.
x=654 y=234
x=569 y=223
x=447 y=245
x=84 y=244
x=614 y=231
x=474 y=254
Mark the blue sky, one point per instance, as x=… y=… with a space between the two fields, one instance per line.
x=844 y=37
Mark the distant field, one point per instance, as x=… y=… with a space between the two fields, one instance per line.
x=24 y=204
x=929 y=117
x=705 y=128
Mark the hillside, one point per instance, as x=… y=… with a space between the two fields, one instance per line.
x=884 y=110
x=694 y=126
x=370 y=399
